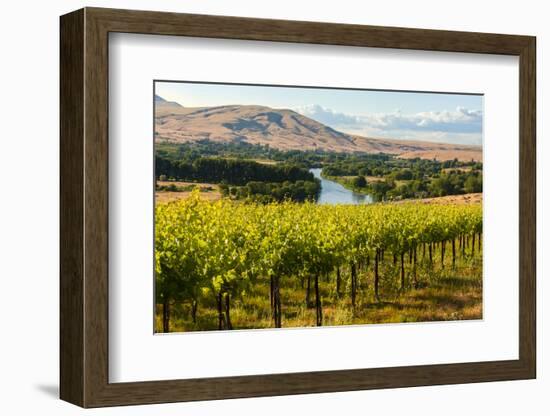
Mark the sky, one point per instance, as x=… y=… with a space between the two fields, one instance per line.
x=437 y=117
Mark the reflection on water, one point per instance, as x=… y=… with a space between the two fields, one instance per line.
x=334 y=193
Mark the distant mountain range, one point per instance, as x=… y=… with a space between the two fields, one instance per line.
x=161 y=102
x=285 y=130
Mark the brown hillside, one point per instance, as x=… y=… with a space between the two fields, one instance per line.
x=285 y=130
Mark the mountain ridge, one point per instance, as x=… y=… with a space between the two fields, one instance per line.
x=159 y=101
x=285 y=129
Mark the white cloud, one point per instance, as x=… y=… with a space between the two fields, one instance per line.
x=461 y=125
x=327 y=116
x=460 y=120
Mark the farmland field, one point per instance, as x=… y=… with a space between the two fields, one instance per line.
x=231 y=265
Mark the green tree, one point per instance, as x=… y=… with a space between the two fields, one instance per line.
x=472 y=184
x=359 y=182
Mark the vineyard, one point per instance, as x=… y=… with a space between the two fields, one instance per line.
x=232 y=265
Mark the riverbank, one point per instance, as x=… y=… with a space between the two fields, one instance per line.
x=333 y=192
x=346 y=182
x=460 y=199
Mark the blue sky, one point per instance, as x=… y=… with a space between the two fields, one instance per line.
x=448 y=118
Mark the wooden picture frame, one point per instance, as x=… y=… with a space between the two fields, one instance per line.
x=84 y=207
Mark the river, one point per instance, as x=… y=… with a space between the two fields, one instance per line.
x=334 y=193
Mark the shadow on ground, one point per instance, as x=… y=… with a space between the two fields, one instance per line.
x=51 y=390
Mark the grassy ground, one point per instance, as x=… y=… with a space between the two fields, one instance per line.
x=442 y=294
x=208 y=191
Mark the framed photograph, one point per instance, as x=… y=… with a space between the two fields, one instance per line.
x=256 y=207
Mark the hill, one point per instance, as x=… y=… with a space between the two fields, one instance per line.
x=285 y=130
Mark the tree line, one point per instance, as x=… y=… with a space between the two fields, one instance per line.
x=230 y=171
x=266 y=192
